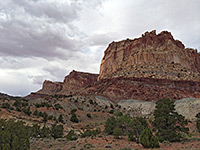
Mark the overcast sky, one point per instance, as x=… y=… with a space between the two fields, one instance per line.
x=47 y=39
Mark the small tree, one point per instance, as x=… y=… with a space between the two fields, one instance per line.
x=60 y=119
x=110 y=125
x=168 y=123
x=135 y=128
x=117 y=132
x=148 y=140
x=198 y=122
x=74 y=118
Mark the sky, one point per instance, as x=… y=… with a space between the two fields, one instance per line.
x=47 y=39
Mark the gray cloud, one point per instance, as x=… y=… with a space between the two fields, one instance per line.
x=46 y=39
x=37 y=28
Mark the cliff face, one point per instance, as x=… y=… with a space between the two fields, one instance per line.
x=73 y=82
x=156 y=56
x=50 y=87
x=149 y=68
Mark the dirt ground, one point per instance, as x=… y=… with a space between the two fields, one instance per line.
x=106 y=143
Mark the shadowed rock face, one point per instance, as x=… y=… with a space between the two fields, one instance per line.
x=156 y=56
x=149 y=68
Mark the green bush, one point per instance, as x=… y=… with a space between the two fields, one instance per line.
x=74 y=118
x=60 y=119
x=198 y=125
x=118 y=113
x=135 y=128
x=27 y=111
x=43 y=104
x=148 y=140
x=110 y=125
x=58 y=106
x=117 y=132
x=57 y=131
x=71 y=136
x=89 y=133
x=5 y=105
x=13 y=135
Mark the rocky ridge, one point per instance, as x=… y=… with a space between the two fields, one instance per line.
x=148 y=68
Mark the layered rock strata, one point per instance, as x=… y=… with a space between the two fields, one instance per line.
x=155 y=56
x=148 y=68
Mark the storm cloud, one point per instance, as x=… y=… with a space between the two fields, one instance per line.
x=46 y=39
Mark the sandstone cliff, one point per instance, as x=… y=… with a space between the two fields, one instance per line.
x=72 y=83
x=148 y=68
x=155 y=56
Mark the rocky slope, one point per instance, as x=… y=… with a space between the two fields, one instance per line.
x=152 y=55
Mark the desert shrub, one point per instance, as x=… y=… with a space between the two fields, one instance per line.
x=60 y=119
x=118 y=113
x=87 y=146
x=89 y=115
x=58 y=106
x=198 y=115
x=73 y=111
x=111 y=111
x=5 y=105
x=20 y=104
x=198 y=122
x=148 y=140
x=125 y=148
x=56 y=131
x=89 y=133
x=74 y=118
x=71 y=136
x=45 y=132
x=35 y=131
x=43 y=104
x=117 y=132
x=91 y=101
x=111 y=106
x=45 y=116
x=27 y=111
x=36 y=113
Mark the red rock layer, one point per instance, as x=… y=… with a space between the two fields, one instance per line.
x=146 y=89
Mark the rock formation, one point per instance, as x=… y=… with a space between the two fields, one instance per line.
x=147 y=68
x=155 y=56
x=74 y=82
